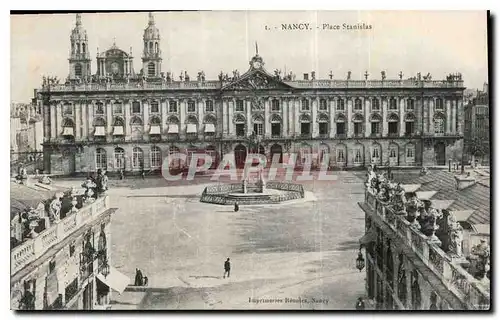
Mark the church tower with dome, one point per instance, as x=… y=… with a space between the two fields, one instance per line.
x=79 y=60
x=151 y=57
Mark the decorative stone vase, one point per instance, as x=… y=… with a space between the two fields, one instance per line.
x=74 y=202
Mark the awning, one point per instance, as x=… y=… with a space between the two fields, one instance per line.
x=115 y=280
x=481 y=228
x=425 y=195
x=173 y=128
x=118 y=131
x=100 y=131
x=462 y=215
x=191 y=128
x=155 y=130
x=370 y=236
x=68 y=131
x=209 y=127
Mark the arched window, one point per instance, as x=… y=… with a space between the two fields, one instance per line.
x=78 y=70
x=439 y=124
x=341 y=153
x=78 y=47
x=258 y=125
x=393 y=154
x=323 y=124
x=393 y=125
x=240 y=121
x=375 y=124
x=376 y=152
x=156 y=47
x=155 y=157
x=137 y=158
x=305 y=125
x=275 y=125
x=119 y=158
x=151 y=69
x=409 y=124
x=358 y=154
x=100 y=159
x=150 y=47
x=410 y=153
x=83 y=47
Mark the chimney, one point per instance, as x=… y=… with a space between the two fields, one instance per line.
x=465 y=181
x=306 y=76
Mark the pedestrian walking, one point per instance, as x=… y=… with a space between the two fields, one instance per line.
x=143 y=174
x=227 y=268
x=236 y=207
x=360 y=304
x=121 y=174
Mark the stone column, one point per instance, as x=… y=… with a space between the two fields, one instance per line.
x=454 y=116
x=284 y=116
x=225 y=119
x=349 y=123
x=248 y=111
x=314 y=112
x=296 y=109
x=182 y=103
x=366 y=111
x=163 y=115
x=108 y=106
x=460 y=117
x=201 y=112
x=126 y=112
x=58 y=119
x=52 y=109
x=331 y=113
x=231 y=128
x=448 y=116
x=402 y=105
x=267 y=123
x=385 y=124
x=87 y=118
x=430 y=119
x=145 y=111
x=78 y=124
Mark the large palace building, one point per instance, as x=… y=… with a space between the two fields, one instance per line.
x=117 y=119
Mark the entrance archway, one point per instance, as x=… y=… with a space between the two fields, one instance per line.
x=277 y=149
x=440 y=151
x=240 y=155
x=260 y=150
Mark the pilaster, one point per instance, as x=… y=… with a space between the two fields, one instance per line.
x=267 y=123
x=349 y=123
x=402 y=105
x=314 y=111
x=366 y=111
x=385 y=124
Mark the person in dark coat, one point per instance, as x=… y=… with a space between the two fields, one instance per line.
x=145 y=281
x=360 y=304
x=138 y=278
x=236 y=207
x=227 y=268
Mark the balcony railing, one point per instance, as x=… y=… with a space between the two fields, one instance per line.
x=474 y=293
x=33 y=249
x=341 y=136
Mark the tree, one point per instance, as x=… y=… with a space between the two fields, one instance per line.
x=478 y=148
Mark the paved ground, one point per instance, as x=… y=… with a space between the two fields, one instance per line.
x=302 y=251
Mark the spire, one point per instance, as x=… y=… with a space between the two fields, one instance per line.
x=78 y=19
x=256 y=49
x=151 y=19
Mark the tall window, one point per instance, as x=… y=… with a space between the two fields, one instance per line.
x=410 y=105
x=410 y=153
x=393 y=124
x=191 y=106
x=100 y=159
x=358 y=125
x=99 y=108
x=151 y=69
x=358 y=156
x=409 y=124
x=392 y=153
x=323 y=105
x=155 y=108
x=240 y=125
x=78 y=70
x=117 y=108
x=275 y=125
x=172 y=106
x=393 y=104
x=341 y=155
x=305 y=125
x=258 y=126
x=439 y=104
x=375 y=104
x=357 y=104
x=439 y=125
x=340 y=104
x=137 y=158
x=275 y=105
x=67 y=109
x=119 y=158
x=155 y=157
x=239 y=106
x=136 y=107
x=375 y=153
x=209 y=106
x=323 y=124
x=375 y=128
x=136 y=127
x=305 y=105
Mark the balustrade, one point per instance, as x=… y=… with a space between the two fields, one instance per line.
x=32 y=249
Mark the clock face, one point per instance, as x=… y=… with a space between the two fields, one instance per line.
x=114 y=68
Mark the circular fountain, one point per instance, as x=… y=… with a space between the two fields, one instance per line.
x=252 y=192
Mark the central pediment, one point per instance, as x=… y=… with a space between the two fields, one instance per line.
x=255 y=79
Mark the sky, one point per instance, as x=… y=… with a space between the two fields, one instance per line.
x=436 y=42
